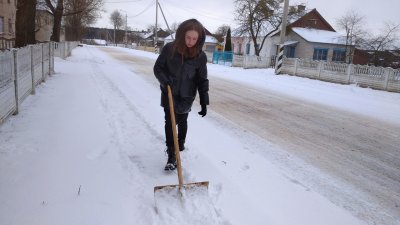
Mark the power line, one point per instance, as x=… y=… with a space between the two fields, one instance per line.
x=204 y=13
x=144 y=10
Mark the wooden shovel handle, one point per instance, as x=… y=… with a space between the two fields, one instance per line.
x=175 y=135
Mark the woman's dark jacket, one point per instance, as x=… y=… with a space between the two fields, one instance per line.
x=186 y=76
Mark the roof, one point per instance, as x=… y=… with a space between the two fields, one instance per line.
x=320 y=36
x=312 y=14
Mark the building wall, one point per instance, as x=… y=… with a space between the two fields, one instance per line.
x=44 y=26
x=305 y=49
x=8 y=11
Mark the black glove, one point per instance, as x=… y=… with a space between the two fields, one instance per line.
x=203 y=111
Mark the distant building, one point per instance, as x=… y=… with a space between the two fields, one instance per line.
x=8 y=12
x=310 y=37
x=44 y=25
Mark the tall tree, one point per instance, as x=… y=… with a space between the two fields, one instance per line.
x=78 y=15
x=57 y=8
x=25 y=23
x=259 y=19
x=116 y=20
x=352 y=24
x=220 y=33
x=228 y=41
x=57 y=17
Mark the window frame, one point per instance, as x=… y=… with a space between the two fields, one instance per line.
x=1 y=25
x=342 y=55
x=248 y=49
x=320 y=53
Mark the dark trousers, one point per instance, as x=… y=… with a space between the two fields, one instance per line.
x=181 y=122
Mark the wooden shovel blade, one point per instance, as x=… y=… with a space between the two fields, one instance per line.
x=203 y=184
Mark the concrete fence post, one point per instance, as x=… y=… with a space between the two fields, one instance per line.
x=387 y=73
x=51 y=58
x=296 y=62
x=15 y=72
x=348 y=72
x=320 y=65
x=43 y=73
x=32 y=71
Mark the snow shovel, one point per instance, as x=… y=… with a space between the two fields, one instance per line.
x=203 y=184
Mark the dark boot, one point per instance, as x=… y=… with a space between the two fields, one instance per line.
x=181 y=145
x=171 y=163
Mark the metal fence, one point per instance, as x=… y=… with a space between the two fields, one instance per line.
x=22 y=69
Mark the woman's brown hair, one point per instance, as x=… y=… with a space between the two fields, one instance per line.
x=179 y=43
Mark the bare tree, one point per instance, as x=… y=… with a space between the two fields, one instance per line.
x=25 y=23
x=386 y=40
x=221 y=30
x=116 y=20
x=220 y=33
x=60 y=8
x=78 y=15
x=352 y=24
x=259 y=18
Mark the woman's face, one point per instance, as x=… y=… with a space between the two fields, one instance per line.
x=191 y=38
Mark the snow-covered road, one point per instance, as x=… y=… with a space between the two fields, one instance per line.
x=356 y=151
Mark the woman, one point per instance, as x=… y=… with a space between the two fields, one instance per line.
x=182 y=65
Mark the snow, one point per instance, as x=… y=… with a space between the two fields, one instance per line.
x=320 y=36
x=87 y=148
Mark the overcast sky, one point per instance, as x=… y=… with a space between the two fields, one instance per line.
x=214 y=13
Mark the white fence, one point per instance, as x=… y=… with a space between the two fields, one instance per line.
x=21 y=70
x=365 y=76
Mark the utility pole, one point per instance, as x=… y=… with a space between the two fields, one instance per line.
x=156 y=29
x=126 y=30
x=126 y=27
x=279 y=58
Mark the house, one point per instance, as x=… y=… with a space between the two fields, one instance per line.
x=149 y=38
x=8 y=11
x=44 y=25
x=387 y=58
x=210 y=44
x=310 y=36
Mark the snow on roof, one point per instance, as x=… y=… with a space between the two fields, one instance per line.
x=320 y=36
x=211 y=39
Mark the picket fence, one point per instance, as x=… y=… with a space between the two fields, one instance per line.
x=362 y=75
x=22 y=69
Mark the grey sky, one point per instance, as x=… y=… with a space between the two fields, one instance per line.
x=214 y=13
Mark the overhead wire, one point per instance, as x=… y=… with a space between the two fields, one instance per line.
x=144 y=10
x=198 y=12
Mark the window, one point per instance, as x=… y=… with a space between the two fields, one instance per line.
x=1 y=24
x=240 y=48
x=320 y=54
x=10 y=26
x=339 y=55
x=248 y=48
x=233 y=47
x=289 y=51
